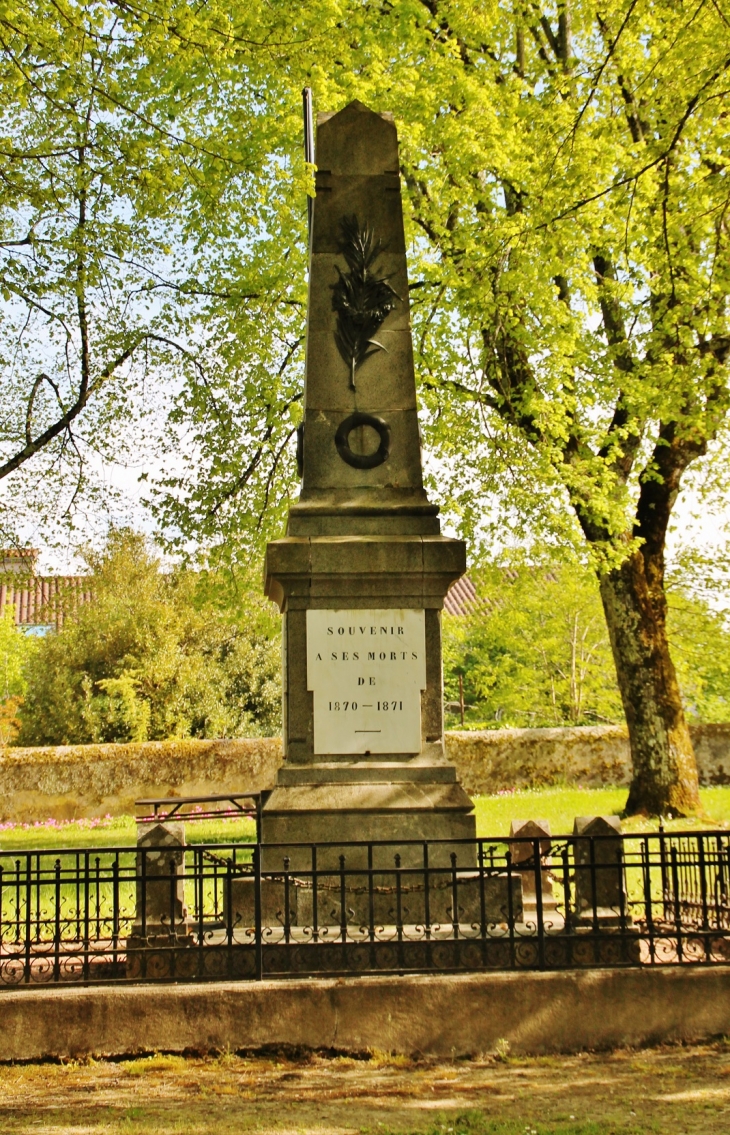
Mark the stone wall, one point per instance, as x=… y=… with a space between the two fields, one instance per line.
x=93 y=780
x=77 y=781
x=591 y=756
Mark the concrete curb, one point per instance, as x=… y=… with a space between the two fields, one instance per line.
x=441 y=1015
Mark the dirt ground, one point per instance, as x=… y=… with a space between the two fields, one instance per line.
x=677 y=1090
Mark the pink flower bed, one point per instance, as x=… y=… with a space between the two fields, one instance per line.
x=59 y=825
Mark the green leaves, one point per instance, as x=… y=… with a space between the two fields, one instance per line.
x=576 y=226
x=15 y=649
x=534 y=652
x=566 y=204
x=153 y=656
x=144 y=214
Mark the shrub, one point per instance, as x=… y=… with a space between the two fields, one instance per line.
x=15 y=650
x=153 y=655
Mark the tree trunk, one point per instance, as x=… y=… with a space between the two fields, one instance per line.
x=664 y=767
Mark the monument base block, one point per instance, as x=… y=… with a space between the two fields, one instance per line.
x=360 y=802
x=289 y=902
x=352 y=606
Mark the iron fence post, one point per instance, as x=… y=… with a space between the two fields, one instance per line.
x=228 y=907
x=28 y=920
x=173 y=899
x=454 y=897
x=315 y=911
x=594 y=880
x=87 y=917
x=510 y=910
x=216 y=892
x=57 y=920
x=663 y=869
x=722 y=890
x=287 y=906
x=97 y=895
x=648 y=902
x=703 y=885
x=18 y=902
x=38 y=897
x=143 y=889
x=718 y=883
x=677 y=907
x=538 y=903
x=621 y=897
x=115 y=909
x=398 y=895
x=78 y=895
x=343 y=903
x=482 y=903
x=199 y=884
x=258 y=930
x=567 y=913
x=426 y=895
x=398 y=908
x=371 y=906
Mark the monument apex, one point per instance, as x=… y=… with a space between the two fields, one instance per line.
x=358 y=330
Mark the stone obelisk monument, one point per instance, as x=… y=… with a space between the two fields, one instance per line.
x=362 y=573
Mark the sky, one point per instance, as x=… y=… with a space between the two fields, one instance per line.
x=696 y=524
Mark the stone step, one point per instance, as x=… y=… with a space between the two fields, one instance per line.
x=366 y=772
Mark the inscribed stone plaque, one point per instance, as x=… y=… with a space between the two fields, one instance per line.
x=366 y=669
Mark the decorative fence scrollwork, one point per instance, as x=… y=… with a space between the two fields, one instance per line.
x=242 y=911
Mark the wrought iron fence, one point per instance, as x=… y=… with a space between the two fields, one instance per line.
x=248 y=911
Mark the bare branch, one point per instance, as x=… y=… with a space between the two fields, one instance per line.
x=63 y=422
x=31 y=400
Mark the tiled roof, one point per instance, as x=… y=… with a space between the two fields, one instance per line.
x=461 y=596
x=43 y=600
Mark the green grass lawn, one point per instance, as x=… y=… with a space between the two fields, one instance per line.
x=560 y=805
x=494 y=814
x=116 y=831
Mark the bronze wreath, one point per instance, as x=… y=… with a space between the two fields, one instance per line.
x=363 y=460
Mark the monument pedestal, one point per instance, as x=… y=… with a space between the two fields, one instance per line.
x=364 y=796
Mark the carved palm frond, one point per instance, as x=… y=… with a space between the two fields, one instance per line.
x=361 y=298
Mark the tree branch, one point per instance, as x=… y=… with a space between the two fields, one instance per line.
x=31 y=401
x=668 y=149
x=614 y=329
x=31 y=448
x=660 y=485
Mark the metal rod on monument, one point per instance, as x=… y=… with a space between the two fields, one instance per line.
x=308 y=142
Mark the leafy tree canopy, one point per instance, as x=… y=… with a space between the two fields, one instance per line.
x=566 y=179
x=154 y=655
x=15 y=648
x=568 y=169
x=534 y=651
x=150 y=273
